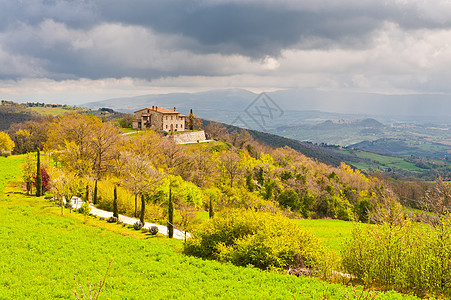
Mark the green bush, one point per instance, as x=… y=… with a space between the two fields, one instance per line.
x=246 y=237
x=84 y=209
x=48 y=196
x=410 y=256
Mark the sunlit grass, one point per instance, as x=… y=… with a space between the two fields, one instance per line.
x=41 y=252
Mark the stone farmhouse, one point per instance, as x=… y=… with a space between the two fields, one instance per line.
x=161 y=118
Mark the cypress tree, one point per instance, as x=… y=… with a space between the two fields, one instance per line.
x=170 y=215
x=191 y=119
x=87 y=193
x=211 y=213
x=249 y=183
x=94 y=197
x=38 y=175
x=143 y=209
x=260 y=177
x=115 y=212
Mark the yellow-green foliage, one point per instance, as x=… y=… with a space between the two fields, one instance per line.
x=181 y=190
x=147 y=267
x=6 y=144
x=126 y=201
x=409 y=256
x=261 y=239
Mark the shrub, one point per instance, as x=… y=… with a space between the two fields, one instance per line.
x=407 y=256
x=153 y=230
x=112 y=220
x=138 y=225
x=48 y=196
x=246 y=237
x=85 y=209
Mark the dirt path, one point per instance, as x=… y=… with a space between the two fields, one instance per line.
x=178 y=234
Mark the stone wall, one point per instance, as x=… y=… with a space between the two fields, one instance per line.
x=189 y=137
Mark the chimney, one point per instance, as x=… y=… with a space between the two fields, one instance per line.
x=153 y=107
x=174 y=108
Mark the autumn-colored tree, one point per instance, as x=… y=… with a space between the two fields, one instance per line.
x=175 y=158
x=138 y=174
x=61 y=184
x=28 y=172
x=216 y=130
x=231 y=164
x=438 y=198
x=45 y=181
x=30 y=134
x=202 y=167
x=188 y=215
x=103 y=144
x=6 y=144
x=71 y=135
x=147 y=144
x=194 y=122
x=23 y=141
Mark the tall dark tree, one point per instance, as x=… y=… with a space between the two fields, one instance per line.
x=94 y=197
x=170 y=215
x=38 y=175
x=115 y=212
x=143 y=208
x=191 y=120
x=87 y=193
x=211 y=212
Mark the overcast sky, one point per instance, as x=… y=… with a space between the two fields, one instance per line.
x=80 y=51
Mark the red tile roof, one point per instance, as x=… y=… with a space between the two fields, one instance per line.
x=161 y=110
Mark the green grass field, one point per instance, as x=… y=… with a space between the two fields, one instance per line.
x=331 y=232
x=384 y=161
x=41 y=252
x=389 y=161
x=52 y=111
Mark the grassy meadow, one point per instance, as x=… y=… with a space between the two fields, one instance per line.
x=41 y=252
x=330 y=232
x=52 y=111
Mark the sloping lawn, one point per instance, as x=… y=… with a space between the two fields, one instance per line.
x=41 y=252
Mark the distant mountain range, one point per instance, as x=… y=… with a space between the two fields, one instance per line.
x=229 y=104
x=422 y=123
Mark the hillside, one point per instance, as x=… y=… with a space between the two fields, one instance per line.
x=11 y=112
x=317 y=152
x=314 y=116
x=15 y=113
x=367 y=161
x=42 y=263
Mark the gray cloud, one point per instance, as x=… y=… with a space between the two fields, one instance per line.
x=346 y=43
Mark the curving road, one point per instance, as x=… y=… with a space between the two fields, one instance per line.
x=178 y=234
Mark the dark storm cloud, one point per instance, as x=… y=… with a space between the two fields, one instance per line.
x=254 y=29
